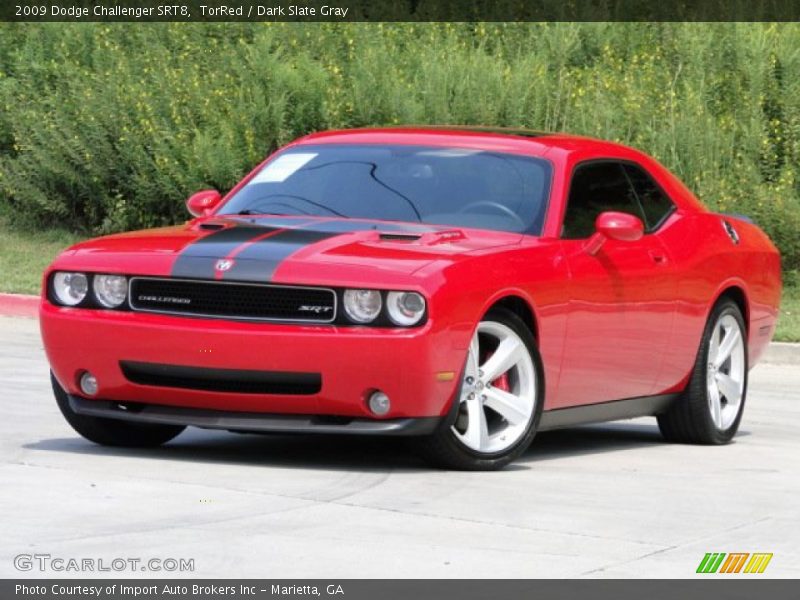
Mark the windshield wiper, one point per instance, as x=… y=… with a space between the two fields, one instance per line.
x=250 y=211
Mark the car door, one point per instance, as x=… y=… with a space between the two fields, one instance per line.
x=621 y=303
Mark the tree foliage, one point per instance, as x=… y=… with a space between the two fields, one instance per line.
x=106 y=127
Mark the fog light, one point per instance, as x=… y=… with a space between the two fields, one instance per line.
x=379 y=403
x=88 y=384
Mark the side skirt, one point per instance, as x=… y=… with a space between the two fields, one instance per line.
x=605 y=411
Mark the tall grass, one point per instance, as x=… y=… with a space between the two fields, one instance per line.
x=108 y=127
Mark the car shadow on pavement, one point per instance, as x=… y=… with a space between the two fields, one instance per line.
x=326 y=452
x=351 y=453
x=593 y=439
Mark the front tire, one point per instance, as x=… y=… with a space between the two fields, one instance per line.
x=710 y=409
x=499 y=402
x=113 y=432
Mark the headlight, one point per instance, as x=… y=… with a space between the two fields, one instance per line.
x=362 y=306
x=405 y=308
x=70 y=288
x=110 y=290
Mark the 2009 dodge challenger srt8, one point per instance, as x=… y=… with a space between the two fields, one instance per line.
x=469 y=287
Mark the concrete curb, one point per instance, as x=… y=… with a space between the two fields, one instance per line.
x=782 y=353
x=19 y=305
x=23 y=305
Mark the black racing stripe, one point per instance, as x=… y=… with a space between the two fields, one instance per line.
x=259 y=261
x=197 y=260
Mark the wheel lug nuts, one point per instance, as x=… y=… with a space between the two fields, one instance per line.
x=470 y=380
x=471 y=397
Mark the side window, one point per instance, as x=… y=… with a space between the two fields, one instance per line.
x=597 y=187
x=655 y=203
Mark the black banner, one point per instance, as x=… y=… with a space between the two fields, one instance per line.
x=400 y=10
x=395 y=589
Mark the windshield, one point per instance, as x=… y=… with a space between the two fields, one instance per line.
x=441 y=186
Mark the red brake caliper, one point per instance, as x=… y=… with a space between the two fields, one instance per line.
x=501 y=382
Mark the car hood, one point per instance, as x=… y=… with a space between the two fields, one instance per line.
x=322 y=251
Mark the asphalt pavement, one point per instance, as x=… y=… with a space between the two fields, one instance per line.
x=608 y=500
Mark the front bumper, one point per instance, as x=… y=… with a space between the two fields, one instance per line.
x=251 y=422
x=418 y=369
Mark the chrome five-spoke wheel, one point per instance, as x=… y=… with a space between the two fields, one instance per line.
x=499 y=400
x=710 y=409
x=726 y=370
x=498 y=395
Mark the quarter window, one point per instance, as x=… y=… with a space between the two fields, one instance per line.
x=655 y=203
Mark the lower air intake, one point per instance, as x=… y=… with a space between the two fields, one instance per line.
x=222 y=380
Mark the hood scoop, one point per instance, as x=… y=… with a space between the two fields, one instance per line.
x=430 y=238
x=211 y=226
x=399 y=237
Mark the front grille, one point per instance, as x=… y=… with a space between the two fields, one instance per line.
x=223 y=300
x=222 y=380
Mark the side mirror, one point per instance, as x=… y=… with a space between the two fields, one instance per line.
x=201 y=203
x=615 y=226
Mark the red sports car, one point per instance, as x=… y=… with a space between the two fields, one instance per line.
x=469 y=287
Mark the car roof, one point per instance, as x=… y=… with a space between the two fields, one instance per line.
x=495 y=138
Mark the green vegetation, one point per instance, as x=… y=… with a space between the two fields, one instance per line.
x=24 y=255
x=789 y=320
x=107 y=127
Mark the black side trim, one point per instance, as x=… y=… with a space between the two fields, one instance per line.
x=250 y=422
x=222 y=380
x=605 y=411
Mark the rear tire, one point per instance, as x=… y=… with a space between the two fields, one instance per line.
x=710 y=409
x=499 y=402
x=113 y=432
